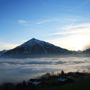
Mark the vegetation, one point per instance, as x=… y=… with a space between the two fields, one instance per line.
x=61 y=81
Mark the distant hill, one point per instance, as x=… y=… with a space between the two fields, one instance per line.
x=33 y=48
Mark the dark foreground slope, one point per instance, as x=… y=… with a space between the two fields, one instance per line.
x=34 y=48
x=69 y=81
x=87 y=52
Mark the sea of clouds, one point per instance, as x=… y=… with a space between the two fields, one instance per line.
x=15 y=70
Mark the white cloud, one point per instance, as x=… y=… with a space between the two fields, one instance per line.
x=7 y=46
x=21 y=21
x=43 y=21
x=75 y=29
x=27 y=22
x=24 y=22
x=74 y=37
x=57 y=19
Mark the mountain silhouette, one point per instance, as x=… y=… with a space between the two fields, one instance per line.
x=3 y=51
x=33 y=48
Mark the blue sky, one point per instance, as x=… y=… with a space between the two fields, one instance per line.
x=60 y=22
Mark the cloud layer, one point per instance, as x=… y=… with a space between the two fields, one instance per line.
x=24 y=69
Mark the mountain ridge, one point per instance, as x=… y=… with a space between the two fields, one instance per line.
x=35 y=47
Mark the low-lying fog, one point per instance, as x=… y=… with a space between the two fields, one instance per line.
x=12 y=70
